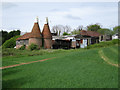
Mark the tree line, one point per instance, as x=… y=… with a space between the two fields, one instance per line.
x=66 y=30
x=7 y=35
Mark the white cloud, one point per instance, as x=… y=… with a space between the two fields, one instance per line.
x=23 y=16
x=61 y=0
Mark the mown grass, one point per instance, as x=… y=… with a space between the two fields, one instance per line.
x=70 y=69
x=13 y=56
x=112 y=54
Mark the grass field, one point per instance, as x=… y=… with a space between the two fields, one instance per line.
x=79 y=68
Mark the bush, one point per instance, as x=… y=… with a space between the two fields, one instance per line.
x=22 y=47
x=33 y=47
x=104 y=44
x=115 y=41
x=11 y=43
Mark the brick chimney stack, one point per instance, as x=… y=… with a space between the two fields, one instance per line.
x=47 y=37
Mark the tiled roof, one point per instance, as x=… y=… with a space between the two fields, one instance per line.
x=29 y=35
x=35 y=33
x=46 y=32
x=36 y=28
x=90 y=33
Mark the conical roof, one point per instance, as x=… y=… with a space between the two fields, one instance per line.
x=36 y=28
x=35 y=33
x=46 y=31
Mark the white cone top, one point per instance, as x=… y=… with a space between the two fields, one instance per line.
x=36 y=20
x=46 y=20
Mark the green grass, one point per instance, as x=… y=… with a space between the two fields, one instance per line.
x=112 y=54
x=13 y=56
x=79 y=68
x=104 y=44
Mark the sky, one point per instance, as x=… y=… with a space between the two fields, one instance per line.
x=22 y=15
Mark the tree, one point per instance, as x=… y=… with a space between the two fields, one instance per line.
x=116 y=29
x=6 y=35
x=65 y=33
x=13 y=33
x=67 y=29
x=75 y=31
x=57 y=29
x=105 y=31
x=61 y=29
x=93 y=27
x=80 y=27
x=10 y=43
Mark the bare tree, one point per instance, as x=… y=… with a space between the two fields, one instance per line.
x=58 y=29
x=67 y=28
x=55 y=29
x=61 y=29
x=80 y=27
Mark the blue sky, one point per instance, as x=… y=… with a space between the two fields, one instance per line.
x=22 y=15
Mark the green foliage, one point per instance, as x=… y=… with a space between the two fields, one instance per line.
x=6 y=35
x=116 y=29
x=13 y=33
x=116 y=41
x=105 y=31
x=65 y=33
x=75 y=31
x=22 y=47
x=104 y=44
x=11 y=43
x=93 y=27
x=33 y=47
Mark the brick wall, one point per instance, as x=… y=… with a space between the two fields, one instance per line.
x=47 y=43
x=37 y=41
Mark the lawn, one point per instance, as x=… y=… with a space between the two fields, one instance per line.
x=81 y=68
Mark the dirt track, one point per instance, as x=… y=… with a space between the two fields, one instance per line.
x=25 y=63
x=106 y=59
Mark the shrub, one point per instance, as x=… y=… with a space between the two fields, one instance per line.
x=11 y=43
x=22 y=47
x=104 y=44
x=115 y=41
x=33 y=47
x=65 y=33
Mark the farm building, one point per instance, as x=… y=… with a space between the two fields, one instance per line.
x=36 y=37
x=115 y=36
x=50 y=40
x=81 y=40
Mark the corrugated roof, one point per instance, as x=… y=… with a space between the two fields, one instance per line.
x=36 y=33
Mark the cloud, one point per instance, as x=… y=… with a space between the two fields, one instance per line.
x=69 y=16
x=54 y=10
x=6 y=5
